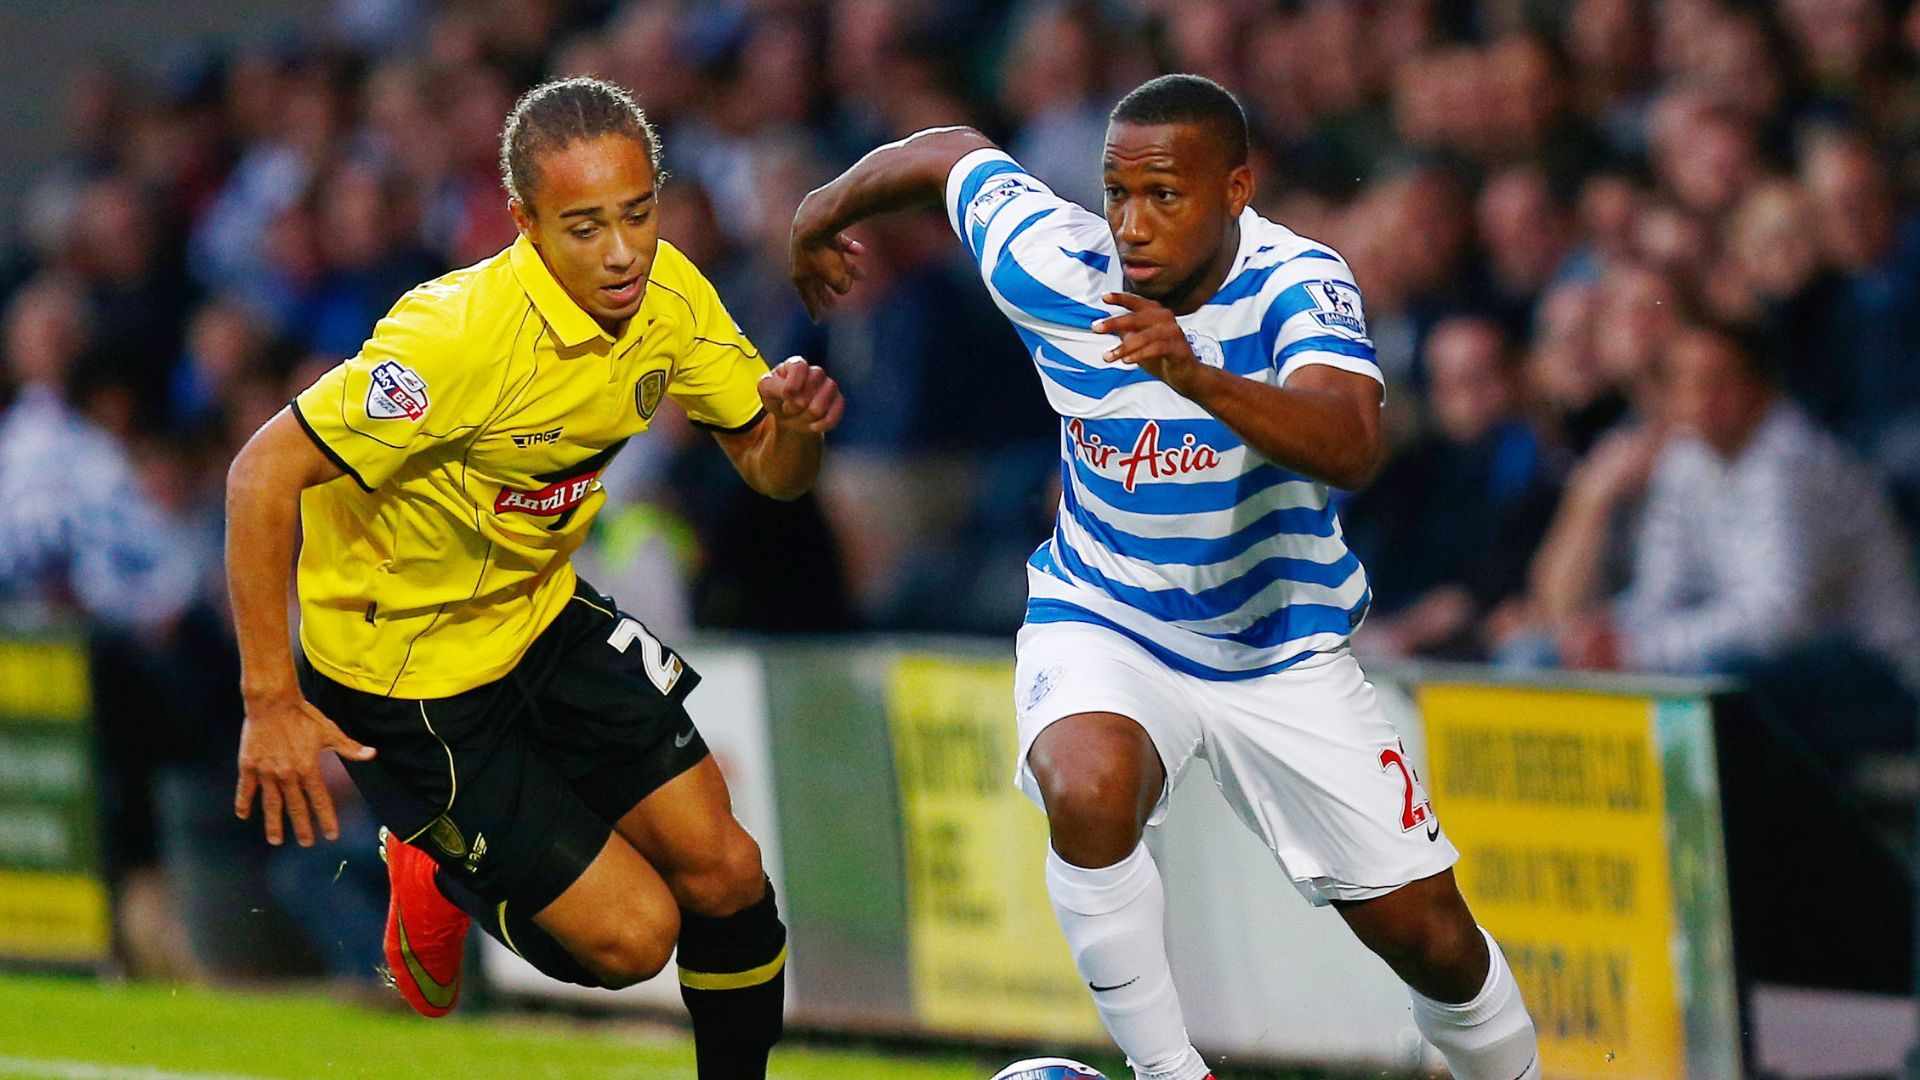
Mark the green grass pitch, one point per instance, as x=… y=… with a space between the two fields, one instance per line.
x=71 y=1028
x=79 y=1029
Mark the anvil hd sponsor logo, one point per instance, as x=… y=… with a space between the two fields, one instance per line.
x=565 y=490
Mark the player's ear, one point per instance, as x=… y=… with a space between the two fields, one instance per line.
x=522 y=218
x=1239 y=188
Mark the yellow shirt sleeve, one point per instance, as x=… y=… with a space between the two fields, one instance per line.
x=394 y=400
x=717 y=377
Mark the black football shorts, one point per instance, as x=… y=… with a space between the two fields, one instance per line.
x=514 y=786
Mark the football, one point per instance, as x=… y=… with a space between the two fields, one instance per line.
x=1048 y=1069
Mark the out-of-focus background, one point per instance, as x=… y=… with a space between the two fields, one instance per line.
x=1644 y=277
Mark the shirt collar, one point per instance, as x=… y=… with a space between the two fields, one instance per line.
x=570 y=322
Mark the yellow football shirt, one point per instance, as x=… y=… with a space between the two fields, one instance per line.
x=473 y=427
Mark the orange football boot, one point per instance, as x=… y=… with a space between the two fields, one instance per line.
x=426 y=933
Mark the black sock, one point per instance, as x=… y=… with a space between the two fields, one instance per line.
x=518 y=931
x=733 y=977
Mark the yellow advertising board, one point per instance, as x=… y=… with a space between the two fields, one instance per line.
x=985 y=957
x=53 y=907
x=53 y=917
x=1556 y=801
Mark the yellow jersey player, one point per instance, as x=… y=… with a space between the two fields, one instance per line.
x=522 y=740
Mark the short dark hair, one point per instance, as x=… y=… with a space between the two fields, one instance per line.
x=1188 y=99
x=1757 y=360
x=557 y=114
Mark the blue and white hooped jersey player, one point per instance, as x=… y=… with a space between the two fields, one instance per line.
x=1191 y=584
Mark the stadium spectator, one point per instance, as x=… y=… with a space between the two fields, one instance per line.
x=1874 y=320
x=1448 y=527
x=1052 y=84
x=1761 y=534
x=77 y=527
x=1528 y=236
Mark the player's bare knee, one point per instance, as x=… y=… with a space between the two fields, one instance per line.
x=1097 y=794
x=733 y=881
x=632 y=954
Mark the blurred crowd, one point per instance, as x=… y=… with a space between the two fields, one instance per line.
x=1644 y=277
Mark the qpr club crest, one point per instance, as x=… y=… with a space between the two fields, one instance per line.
x=648 y=392
x=395 y=390
x=1207 y=350
x=1039 y=687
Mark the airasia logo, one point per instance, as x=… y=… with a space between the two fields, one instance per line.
x=550 y=501
x=1147 y=456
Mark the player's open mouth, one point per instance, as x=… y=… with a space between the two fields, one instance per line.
x=624 y=293
x=1139 y=269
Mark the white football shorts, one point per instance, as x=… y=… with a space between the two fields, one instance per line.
x=1306 y=756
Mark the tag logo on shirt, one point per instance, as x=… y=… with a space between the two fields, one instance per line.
x=648 y=392
x=998 y=190
x=396 y=391
x=1337 y=306
x=1207 y=350
x=538 y=438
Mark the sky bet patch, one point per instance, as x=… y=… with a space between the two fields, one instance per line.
x=395 y=391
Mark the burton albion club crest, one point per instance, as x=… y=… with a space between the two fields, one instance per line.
x=648 y=392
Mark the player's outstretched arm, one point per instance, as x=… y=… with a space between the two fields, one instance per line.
x=780 y=456
x=901 y=175
x=281 y=740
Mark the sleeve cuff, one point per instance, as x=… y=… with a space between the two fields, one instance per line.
x=1332 y=360
x=722 y=430
x=957 y=178
x=337 y=460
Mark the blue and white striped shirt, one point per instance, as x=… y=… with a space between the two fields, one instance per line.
x=1171 y=531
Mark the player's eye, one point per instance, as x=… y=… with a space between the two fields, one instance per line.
x=581 y=232
x=1115 y=193
x=1165 y=194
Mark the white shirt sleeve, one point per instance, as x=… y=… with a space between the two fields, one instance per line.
x=1047 y=261
x=1320 y=320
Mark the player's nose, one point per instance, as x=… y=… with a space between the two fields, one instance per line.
x=620 y=254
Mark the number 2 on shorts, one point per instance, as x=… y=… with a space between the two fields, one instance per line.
x=663 y=668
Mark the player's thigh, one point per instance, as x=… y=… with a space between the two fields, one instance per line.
x=610 y=710
x=617 y=917
x=687 y=831
x=1310 y=761
x=1087 y=702
x=458 y=778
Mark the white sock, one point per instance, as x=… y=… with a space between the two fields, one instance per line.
x=1488 y=1038
x=1114 y=919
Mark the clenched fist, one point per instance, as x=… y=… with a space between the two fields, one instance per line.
x=801 y=396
